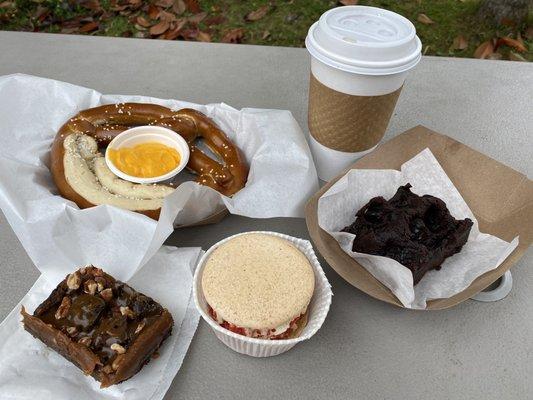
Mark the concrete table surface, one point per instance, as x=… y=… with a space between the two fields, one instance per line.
x=366 y=349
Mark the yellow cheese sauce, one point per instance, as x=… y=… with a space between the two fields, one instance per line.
x=145 y=160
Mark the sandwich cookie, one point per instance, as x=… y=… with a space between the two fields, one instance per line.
x=259 y=286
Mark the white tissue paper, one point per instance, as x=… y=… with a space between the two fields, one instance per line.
x=57 y=235
x=30 y=370
x=482 y=252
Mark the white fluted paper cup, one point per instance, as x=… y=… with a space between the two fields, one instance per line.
x=317 y=310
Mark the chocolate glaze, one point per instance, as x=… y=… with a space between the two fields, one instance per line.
x=95 y=311
x=417 y=231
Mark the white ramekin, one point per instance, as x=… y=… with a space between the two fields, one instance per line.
x=145 y=134
x=317 y=310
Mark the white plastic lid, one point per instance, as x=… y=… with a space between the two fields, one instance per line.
x=365 y=40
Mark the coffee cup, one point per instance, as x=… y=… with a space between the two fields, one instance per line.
x=360 y=57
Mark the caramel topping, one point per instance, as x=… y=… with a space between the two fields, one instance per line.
x=145 y=160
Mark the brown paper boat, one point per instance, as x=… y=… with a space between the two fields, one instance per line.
x=500 y=198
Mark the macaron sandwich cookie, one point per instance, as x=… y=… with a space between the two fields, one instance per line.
x=259 y=286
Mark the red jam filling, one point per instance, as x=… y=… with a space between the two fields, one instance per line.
x=257 y=333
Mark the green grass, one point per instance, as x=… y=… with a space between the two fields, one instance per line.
x=287 y=22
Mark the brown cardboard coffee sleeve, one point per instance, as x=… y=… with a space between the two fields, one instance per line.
x=500 y=198
x=348 y=123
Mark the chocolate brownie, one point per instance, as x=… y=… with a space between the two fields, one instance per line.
x=417 y=231
x=102 y=325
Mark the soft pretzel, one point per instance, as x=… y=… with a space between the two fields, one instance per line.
x=81 y=174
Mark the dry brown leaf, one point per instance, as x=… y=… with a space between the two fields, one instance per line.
x=159 y=28
x=167 y=16
x=266 y=34
x=203 y=37
x=494 y=56
x=257 y=14
x=516 y=57
x=197 y=18
x=89 y=27
x=349 y=2
x=143 y=22
x=164 y=3
x=179 y=7
x=41 y=13
x=193 y=6
x=93 y=5
x=139 y=27
x=153 y=11
x=189 y=34
x=484 y=50
x=175 y=29
x=424 y=19
x=518 y=45
x=215 y=20
x=529 y=33
x=460 y=43
x=234 y=35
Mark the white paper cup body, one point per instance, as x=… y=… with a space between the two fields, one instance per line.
x=317 y=310
x=358 y=51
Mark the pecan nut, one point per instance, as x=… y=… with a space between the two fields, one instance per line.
x=73 y=281
x=90 y=287
x=107 y=294
x=126 y=311
x=63 y=308
x=118 y=348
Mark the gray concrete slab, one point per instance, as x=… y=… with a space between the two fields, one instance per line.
x=366 y=349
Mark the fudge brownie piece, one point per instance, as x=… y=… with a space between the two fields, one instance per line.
x=101 y=325
x=417 y=231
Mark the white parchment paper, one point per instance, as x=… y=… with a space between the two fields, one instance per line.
x=30 y=370
x=57 y=235
x=482 y=252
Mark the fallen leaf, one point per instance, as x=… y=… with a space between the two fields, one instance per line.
x=153 y=11
x=143 y=22
x=175 y=29
x=514 y=43
x=460 y=43
x=349 y=2
x=292 y=17
x=139 y=27
x=159 y=28
x=234 y=35
x=257 y=14
x=41 y=13
x=424 y=19
x=179 y=7
x=516 y=57
x=193 y=6
x=529 y=33
x=494 y=56
x=484 y=49
x=189 y=34
x=203 y=37
x=167 y=16
x=197 y=18
x=266 y=34
x=164 y=3
x=93 y=5
x=215 y=20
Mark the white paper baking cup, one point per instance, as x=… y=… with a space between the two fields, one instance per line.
x=317 y=310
